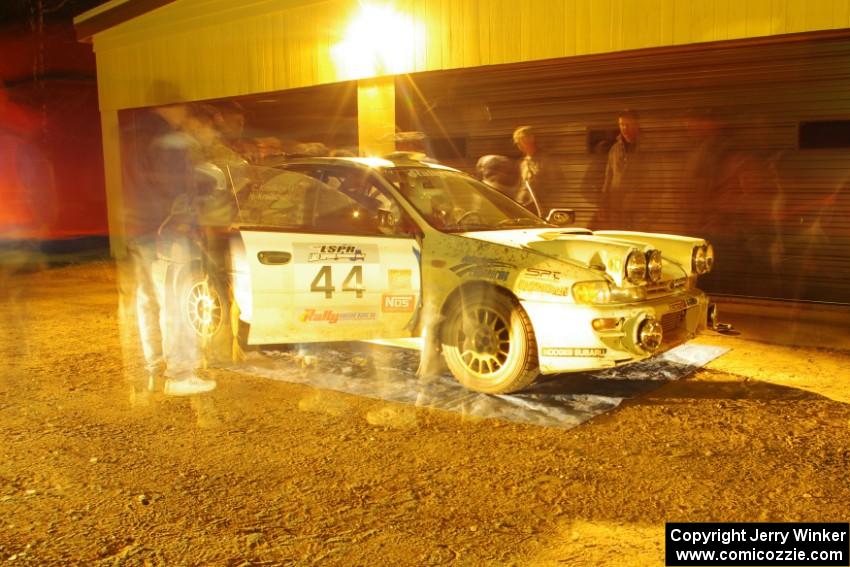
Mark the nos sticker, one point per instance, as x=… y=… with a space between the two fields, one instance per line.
x=391 y=303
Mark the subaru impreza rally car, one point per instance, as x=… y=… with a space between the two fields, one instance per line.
x=330 y=249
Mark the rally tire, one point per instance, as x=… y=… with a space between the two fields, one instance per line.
x=205 y=313
x=488 y=342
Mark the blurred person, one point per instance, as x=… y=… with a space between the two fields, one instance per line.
x=230 y=122
x=158 y=177
x=539 y=174
x=594 y=175
x=708 y=170
x=620 y=185
x=311 y=149
x=411 y=145
x=501 y=173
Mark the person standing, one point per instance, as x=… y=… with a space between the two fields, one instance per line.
x=620 y=186
x=537 y=172
x=158 y=172
x=500 y=173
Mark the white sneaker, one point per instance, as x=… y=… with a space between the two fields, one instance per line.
x=188 y=386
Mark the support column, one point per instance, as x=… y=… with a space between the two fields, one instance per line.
x=111 y=135
x=376 y=116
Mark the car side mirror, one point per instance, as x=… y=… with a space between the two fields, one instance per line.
x=561 y=217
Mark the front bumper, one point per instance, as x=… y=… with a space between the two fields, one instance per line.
x=568 y=342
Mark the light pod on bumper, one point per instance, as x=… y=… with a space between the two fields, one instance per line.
x=650 y=334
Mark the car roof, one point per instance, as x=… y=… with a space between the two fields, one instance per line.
x=399 y=159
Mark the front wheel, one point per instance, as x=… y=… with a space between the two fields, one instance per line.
x=488 y=343
x=205 y=313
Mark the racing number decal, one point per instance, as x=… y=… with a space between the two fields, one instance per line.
x=355 y=274
x=324 y=277
x=328 y=288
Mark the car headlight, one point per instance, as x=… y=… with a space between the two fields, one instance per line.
x=654 y=266
x=636 y=267
x=592 y=292
x=698 y=260
x=709 y=257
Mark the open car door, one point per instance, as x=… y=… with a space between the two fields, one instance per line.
x=322 y=267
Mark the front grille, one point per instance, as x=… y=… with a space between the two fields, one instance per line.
x=661 y=289
x=674 y=327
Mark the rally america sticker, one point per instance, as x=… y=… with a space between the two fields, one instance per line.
x=332 y=317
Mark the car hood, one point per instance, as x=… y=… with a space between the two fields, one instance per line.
x=580 y=247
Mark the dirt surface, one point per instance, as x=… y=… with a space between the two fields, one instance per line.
x=262 y=472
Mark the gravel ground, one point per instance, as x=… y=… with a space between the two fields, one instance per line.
x=264 y=472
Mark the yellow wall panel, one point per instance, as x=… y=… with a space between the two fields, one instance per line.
x=796 y=21
x=758 y=17
x=819 y=14
x=779 y=18
x=841 y=13
x=736 y=23
x=666 y=22
x=682 y=18
x=601 y=26
x=218 y=48
x=702 y=21
x=584 y=29
x=569 y=27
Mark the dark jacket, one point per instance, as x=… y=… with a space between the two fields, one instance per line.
x=157 y=169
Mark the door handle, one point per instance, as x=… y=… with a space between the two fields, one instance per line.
x=273 y=258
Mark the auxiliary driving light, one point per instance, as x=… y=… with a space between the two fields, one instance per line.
x=654 y=266
x=650 y=334
x=636 y=268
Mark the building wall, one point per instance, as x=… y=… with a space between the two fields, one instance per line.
x=720 y=156
x=218 y=48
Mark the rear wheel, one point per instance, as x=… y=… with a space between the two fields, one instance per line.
x=488 y=343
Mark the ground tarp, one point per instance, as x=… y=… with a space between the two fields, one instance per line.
x=389 y=373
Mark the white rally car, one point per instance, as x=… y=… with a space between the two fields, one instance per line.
x=329 y=249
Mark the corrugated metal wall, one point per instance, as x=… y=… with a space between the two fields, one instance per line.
x=219 y=48
x=719 y=151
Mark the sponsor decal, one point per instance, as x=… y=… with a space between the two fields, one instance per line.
x=537 y=286
x=391 y=303
x=399 y=279
x=472 y=267
x=335 y=252
x=575 y=352
x=332 y=317
x=542 y=274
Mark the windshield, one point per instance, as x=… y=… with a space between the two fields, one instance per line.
x=455 y=202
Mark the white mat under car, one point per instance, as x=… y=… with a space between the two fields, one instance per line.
x=566 y=400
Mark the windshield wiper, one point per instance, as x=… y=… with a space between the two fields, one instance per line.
x=519 y=221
